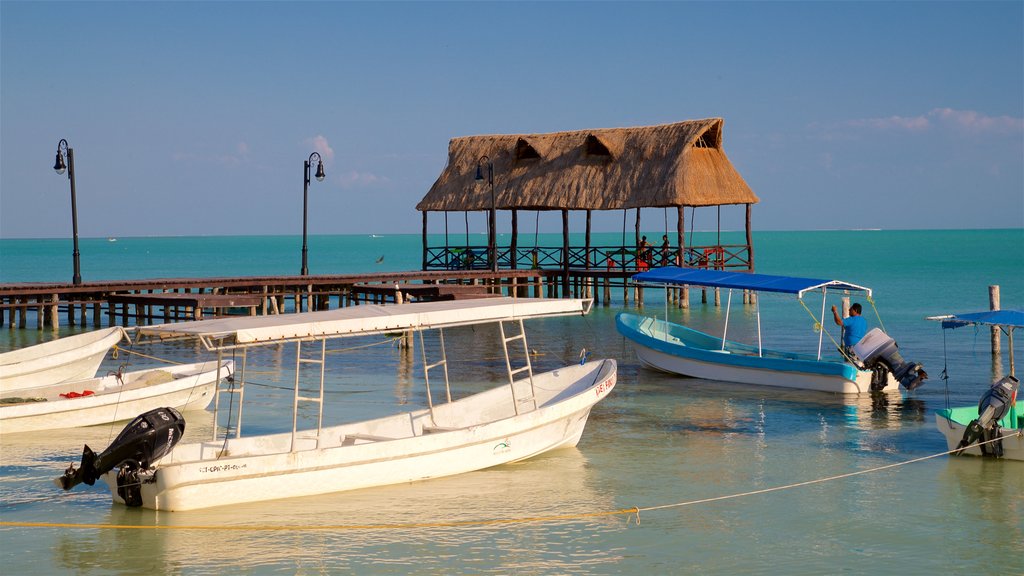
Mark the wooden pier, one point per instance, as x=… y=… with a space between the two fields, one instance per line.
x=137 y=302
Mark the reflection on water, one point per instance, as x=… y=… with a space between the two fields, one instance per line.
x=391 y=525
x=656 y=440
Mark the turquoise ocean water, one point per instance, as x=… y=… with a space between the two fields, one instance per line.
x=656 y=441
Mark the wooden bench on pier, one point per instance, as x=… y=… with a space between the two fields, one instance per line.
x=171 y=302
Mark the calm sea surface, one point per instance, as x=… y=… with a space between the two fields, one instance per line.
x=655 y=442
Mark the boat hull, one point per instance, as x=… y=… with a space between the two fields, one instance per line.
x=953 y=422
x=184 y=387
x=376 y=453
x=679 y=350
x=70 y=358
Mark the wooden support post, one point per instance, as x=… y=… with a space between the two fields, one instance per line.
x=514 y=245
x=54 y=312
x=586 y=253
x=607 y=292
x=71 y=314
x=22 y=314
x=565 y=252
x=750 y=243
x=424 y=237
x=993 y=304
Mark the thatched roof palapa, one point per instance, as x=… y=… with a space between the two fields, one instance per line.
x=680 y=164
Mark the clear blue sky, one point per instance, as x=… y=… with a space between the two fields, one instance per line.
x=195 y=117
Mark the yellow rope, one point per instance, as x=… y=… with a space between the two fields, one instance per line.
x=295 y=528
x=818 y=326
x=632 y=512
x=877 y=315
x=128 y=351
x=370 y=345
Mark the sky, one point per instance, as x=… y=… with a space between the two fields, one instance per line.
x=194 y=118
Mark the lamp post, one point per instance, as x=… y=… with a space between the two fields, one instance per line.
x=59 y=167
x=492 y=246
x=305 y=201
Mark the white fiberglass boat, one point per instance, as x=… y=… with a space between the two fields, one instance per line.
x=68 y=358
x=528 y=415
x=110 y=398
x=677 y=349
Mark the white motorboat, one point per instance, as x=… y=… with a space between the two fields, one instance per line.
x=678 y=349
x=69 y=358
x=111 y=398
x=995 y=426
x=528 y=415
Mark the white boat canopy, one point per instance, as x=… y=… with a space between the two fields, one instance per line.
x=225 y=333
x=673 y=275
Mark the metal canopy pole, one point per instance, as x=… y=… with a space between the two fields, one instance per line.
x=666 y=312
x=757 y=310
x=728 y=305
x=821 y=331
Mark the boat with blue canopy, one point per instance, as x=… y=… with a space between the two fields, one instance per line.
x=995 y=427
x=874 y=362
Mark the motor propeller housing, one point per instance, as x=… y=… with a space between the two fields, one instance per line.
x=995 y=403
x=146 y=439
x=877 y=348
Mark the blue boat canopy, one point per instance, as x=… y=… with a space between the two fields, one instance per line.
x=674 y=275
x=1004 y=318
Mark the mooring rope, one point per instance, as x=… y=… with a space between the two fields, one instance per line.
x=147 y=356
x=631 y=513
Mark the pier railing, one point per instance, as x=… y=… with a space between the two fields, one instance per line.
x=619 y=258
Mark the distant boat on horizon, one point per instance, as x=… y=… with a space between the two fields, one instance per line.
x=111 y=239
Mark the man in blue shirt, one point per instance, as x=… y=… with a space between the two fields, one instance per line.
x=854 y=327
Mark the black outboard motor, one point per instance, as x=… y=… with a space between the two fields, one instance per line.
x=143 y=441
x=994 y=404
x=877 y=350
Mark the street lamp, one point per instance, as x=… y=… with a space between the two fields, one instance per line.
x=59 y=167
x=305 y=200
x=492 y=247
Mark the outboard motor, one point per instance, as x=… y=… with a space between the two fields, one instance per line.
x=143 y=441
x=993 y=406
x=878 y=351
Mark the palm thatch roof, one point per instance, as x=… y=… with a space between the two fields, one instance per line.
x=680 y=164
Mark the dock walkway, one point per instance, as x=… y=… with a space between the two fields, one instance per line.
x=136 y=302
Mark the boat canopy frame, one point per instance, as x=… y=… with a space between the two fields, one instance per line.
x=670 y=276
x=238 y=334
x=1004 y=320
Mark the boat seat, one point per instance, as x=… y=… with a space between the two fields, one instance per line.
x=350 y=439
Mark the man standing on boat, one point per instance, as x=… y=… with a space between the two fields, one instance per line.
x=854 y=327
